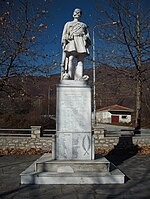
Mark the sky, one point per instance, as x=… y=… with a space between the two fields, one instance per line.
x=60 y=12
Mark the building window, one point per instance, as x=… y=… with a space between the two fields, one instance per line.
x=124 y=117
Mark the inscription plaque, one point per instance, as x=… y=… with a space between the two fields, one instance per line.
x=73 y=146
x=74 y=114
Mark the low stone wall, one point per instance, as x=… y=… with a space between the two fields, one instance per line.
x=35 y=141
x=102 y=142
x=25 y=143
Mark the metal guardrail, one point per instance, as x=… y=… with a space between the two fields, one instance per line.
x=12 y=132
x=52 y=132
x=126 y=132
x=25 y=132
x=48 y=132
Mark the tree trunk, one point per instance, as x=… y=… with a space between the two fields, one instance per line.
x=138 y=104
x=139 y=82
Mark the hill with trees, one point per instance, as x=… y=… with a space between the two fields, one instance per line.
x=35 y=97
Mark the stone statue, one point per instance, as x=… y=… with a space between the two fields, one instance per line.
x=75 y=43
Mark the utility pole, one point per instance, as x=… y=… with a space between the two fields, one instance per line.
x=48 y=103
x=94 y=72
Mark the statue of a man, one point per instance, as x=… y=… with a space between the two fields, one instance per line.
x=75 y=43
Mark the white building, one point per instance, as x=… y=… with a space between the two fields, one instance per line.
x=114 y=114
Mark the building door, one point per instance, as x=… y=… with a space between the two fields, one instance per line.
x=114 y=118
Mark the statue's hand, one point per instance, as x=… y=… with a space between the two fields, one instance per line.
x=63 y=44
x=88 y=42
x=62 y=65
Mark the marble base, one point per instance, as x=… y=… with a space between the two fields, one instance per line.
x=73 y=121
x=48 y=171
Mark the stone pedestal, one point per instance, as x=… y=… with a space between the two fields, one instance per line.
x=72 y=160
x=73 y=121
x=45 y=170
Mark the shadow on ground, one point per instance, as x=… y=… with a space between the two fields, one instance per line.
x=124 y=150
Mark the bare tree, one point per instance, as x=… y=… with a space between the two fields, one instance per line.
x=22 y=24
x=125 y=27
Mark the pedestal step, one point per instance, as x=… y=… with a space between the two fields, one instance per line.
x=46 y=164
x=48 y=171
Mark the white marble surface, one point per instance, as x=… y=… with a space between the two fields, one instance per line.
x=31 y=176
x=75 y=43
x=73 y=109
x=73 y=146
x=73 y=123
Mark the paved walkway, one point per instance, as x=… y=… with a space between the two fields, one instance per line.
x=136 y=168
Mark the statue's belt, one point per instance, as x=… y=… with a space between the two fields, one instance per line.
x=76 y=35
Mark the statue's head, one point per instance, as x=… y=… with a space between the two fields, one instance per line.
x=77 y=13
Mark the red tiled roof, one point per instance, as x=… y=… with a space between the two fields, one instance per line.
x=115 y=108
